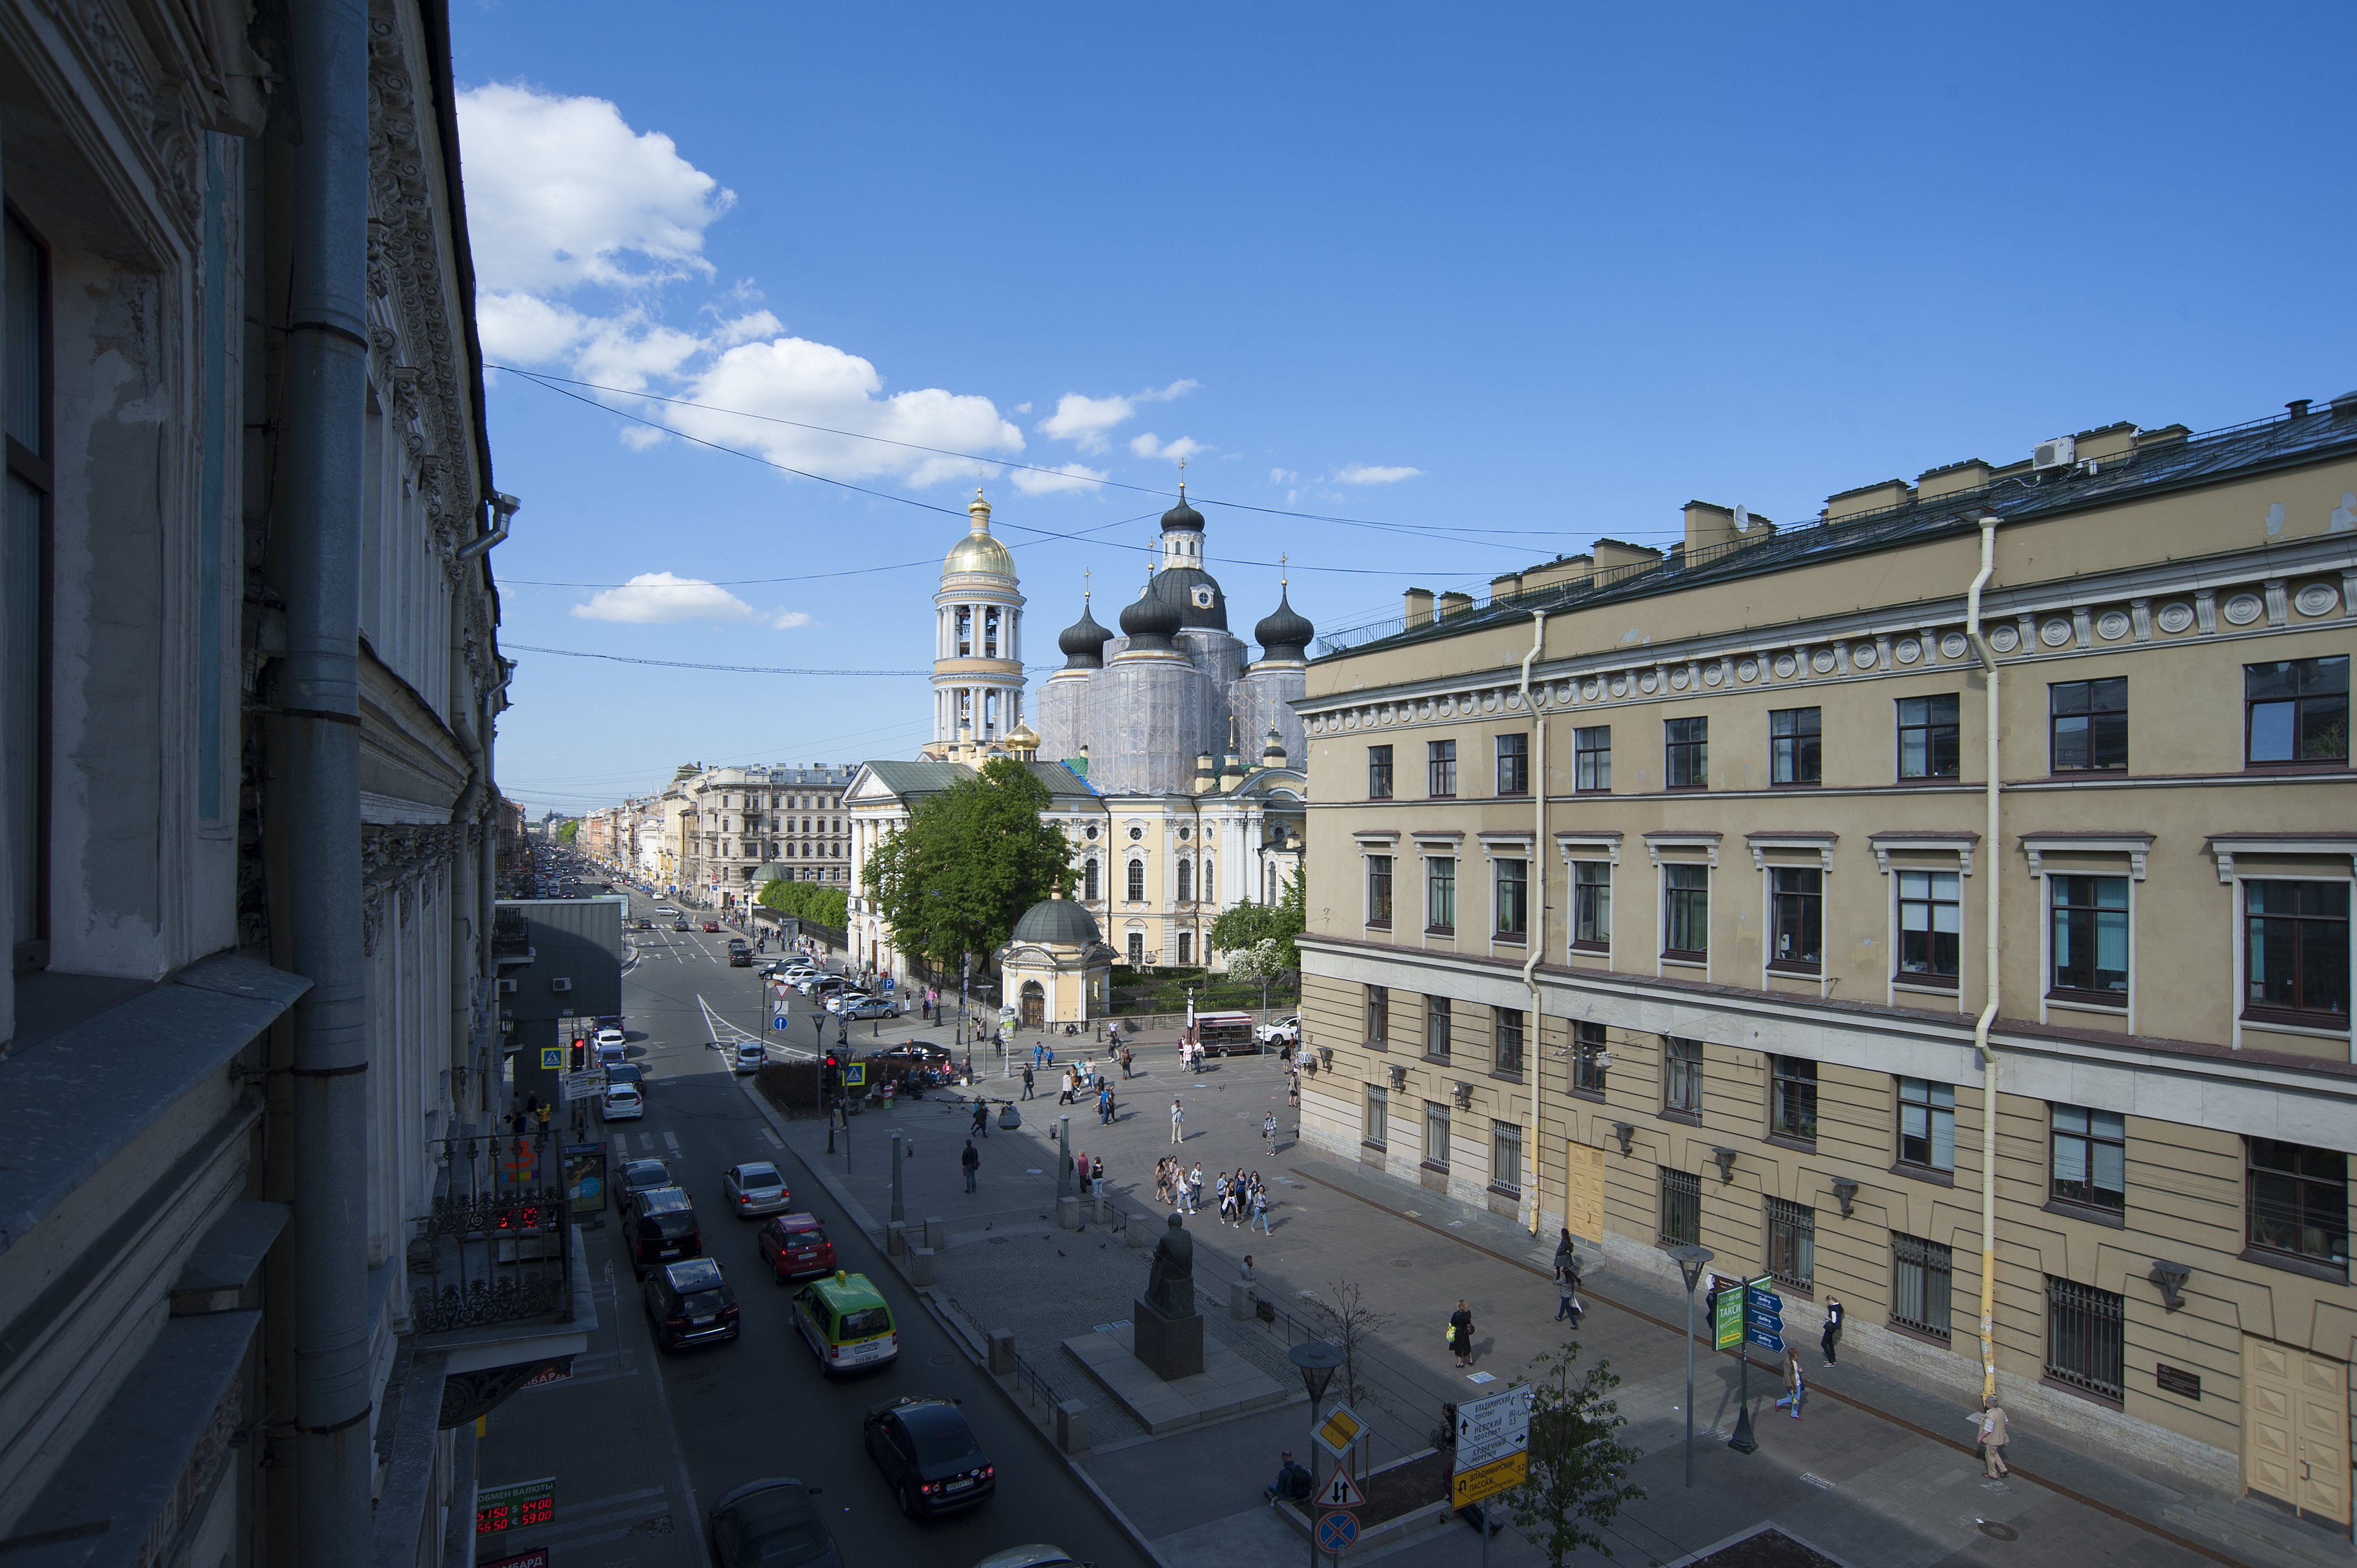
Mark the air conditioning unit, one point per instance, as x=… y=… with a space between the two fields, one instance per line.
x=2059 y=453
x=507 y=987
x=560 y=985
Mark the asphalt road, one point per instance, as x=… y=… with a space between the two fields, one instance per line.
x=758 y=1406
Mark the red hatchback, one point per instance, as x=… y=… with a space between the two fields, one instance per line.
x=712 y=925
x=795 y=1247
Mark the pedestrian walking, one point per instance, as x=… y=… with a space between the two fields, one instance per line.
x=1260 y=1211
x=1461 y=1333
x=1126 y=1058
x=1268 y=1128
x=1027 y=1083
x=1195 y=1189
x=982 y=1118
x=1566 y=1284
x=1994 y=1432
x=1794 y=1385
x=1563 y=1248
x=1831 y=1339
x=1227 y=1200
x=1177 y=1122
x=1104 y=1107
x=971 y=1161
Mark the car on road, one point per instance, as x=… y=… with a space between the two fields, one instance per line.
x=630 y=1073
x=665 y=909
x=928 y=1455
x=662 y=1230
x=795 y=1247
x=1286 y=1031
x=819 y=984
x=755 y=1188
x=845 y=1321
x=771 y=1523
x=750 y=1057
x=641 y=1177
x=645 y=924
x=711 y=926
x=680 y=925
x=868 y=1008
x=610 y=1034
x=1038 y=1554
x=622 y=1102
x=690 y=1304
x=740 y=958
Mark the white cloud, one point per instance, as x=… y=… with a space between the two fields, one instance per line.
x=787 y=620
x=1022 y=408
x=1369 y=474
x=1284 y=477
x=659 y=598
x=1146 y=446
x=639 y=437
x=1069 y=476
x=561 y=192
x=525 y=327
x=1084 y=421
x=1177 y=389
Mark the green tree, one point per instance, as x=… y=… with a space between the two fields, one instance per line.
x=1579 y=1467
x=1247 y=926
x=972 y=859
x=567 y=831
x=828 y=906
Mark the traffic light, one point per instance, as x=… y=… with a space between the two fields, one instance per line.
x=832 y=1076
x=580 y=1057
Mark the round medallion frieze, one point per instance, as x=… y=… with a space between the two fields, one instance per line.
x=1822 y=660
x=1953 y=646
x=1649 y=682
x=1349 y=721
x=1448 y=707
x=1590 y=690
x=1907 y=650
x=1427 y=707
x=2112 y=625
x=2242 y=609
x=1748 y=672
x=1785 y=666
x=2316 y=599
x=2175 y=615
x=1490 y=702
x=1864 y=655
x=2055 y=632
x=1714 y=675
x=1389 y=713
x=1619 y=686
x=2004 y=639
x=1563 y=692
x=1679 y=681
x=1514 y=699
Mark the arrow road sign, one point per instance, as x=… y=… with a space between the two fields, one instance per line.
x=1491 y=1429
x=1342 y=1492
x=1467 y=1487
x=1337 y=1530
x=779 y=1023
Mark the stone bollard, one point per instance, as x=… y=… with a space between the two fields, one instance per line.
x=1072 y=1427
x=934 y=1232
x=1140 y=1238
x=1002 y=1352
x=920 y=1265
x=1104 y=1209
x=1068 y=1213
x=896 y=1240
x=1240 y=1299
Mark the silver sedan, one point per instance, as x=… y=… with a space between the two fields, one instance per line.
x=754 y=1188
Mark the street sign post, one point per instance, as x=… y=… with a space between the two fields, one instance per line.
x=552 y=1059
x=854 y=1074
x=1493 y=1438
x=1727 y=1316
x=1340 y=1428
x=1342 y=1492
x=779 y=1023
x=1764 y=1325
x=1336 y=1532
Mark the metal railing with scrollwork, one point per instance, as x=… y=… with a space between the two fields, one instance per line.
x=496 y=1245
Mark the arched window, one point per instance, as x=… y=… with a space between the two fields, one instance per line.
x=1137 y=949
x=1089 y=882
x=1186 y=882
x=1136 y=881
x=1210 y=887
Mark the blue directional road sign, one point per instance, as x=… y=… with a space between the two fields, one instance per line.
x=1763 y=1318
x=779 y=1023
x=1337 y=1530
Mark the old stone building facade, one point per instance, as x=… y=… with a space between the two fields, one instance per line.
x=734 y=821
x=1699 y=899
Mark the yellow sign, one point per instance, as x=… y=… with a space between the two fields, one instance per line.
x=1488 y=1480
x=552 y=1059
x=1341 y=1428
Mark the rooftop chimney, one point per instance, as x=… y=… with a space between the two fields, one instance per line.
x=1452 y=603
x=1419 y=608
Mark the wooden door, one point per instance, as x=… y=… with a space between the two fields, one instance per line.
x=2296 y=1428
x=1583 y=1207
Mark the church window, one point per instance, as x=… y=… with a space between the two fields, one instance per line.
x=1186 y=947
x=1089 y=882
x=1136 y=881
x=990 y=633
x=1184 y=833
x=964 y=632
x=1208 y=882
x=1136 y=949
x=1185 y=882
x=1092 y=833
x=1136 y=834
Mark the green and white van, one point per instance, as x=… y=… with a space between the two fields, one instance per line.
x=846 y=1323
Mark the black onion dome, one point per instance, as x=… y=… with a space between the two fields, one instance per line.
x=1195 y=594
x=1149 y=620
x=1082 y=643
x=1182 y=515
x=1285 y=633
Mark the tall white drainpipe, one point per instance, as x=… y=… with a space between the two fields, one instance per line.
x=1534 y=1048
x=1990 y=853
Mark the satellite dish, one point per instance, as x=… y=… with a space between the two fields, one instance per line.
x=1742 y=518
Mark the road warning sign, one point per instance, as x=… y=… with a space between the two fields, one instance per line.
x=1342 y=1492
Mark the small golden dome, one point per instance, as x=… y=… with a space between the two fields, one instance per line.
x=978 y=551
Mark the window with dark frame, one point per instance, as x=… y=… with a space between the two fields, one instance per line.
x=1378 y=773
x=1591 y=905
x=1377 y=1127
x=1680 y=1224
x=1792 y=1244
x=2296 y=1200
x=1922 y=1284
x=2090 y=1157
x=1379 y=890
x=1514 y=899
x=1137 y=949
x=1929 y=737
x=2084 y=1345
x=1685 y=754
x=1186 y=881
x=1796 y=909
x=1136 y=888
x=1681 y=1080
x=1795 y=745
x=2295 y=954
x=1378 y=1014
x=1436 y=1134
x=1588 y=1056
x=1440 y=894
x=1440 y=769
x=1792 y=1098
x=27 y=569
x=1927 y=1125
x=1686 y=913
x=1507 y=1023
x=2088 y=726
x=1514 y=764
x=1930 y=923
x=1506 y=1155
x=1436 y=1021
x=2296 y=711
x=1591 y=759
x=2090 y=945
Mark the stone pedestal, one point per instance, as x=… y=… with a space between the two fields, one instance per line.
x=1172 y=1347
x=1068 y=1213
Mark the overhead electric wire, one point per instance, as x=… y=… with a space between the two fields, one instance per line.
x=685 y=664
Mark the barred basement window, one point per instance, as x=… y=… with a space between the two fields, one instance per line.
x=1680 y=1209
x=1376 y=1129
x=2083 y=1342
x=1792 y=1244
x=1922 y=1283
x=1505 y=1155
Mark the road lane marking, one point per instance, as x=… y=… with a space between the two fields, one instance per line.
x=670 y=1142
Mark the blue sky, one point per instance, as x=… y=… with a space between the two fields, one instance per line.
x=1500 y=280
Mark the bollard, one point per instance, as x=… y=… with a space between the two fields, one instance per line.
x=1240 y=1299
x=934 y=1232
x=1068 y=1213
x=1002 y=1352
x=896 y=1240
x=1072 y=1427
x=920 y=1265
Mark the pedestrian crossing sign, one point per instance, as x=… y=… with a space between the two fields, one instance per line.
x=552 y=1059
x=854 y=1074
x=1337 y=1432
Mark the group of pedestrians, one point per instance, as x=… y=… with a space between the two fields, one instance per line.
x=1243 y=1200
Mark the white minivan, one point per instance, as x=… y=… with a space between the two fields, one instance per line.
x=750 y=1055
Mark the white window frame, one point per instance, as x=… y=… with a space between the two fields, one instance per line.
x=1821 y=844
x=1654 y=844
x=1498 y=846
x=1960 y=845
x=1429 y=847
x=1371 y=843
x=1579 y=846
x=2225 y=847
x=2136 y=850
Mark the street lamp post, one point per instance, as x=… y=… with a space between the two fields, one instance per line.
x=900 y=1209
x=1317 y=1361
x=1690 y=1262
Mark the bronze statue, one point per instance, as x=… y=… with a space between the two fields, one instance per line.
x=1170 y=1287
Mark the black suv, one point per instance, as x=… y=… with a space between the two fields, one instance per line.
x=662 y=1230
x=690 y=1304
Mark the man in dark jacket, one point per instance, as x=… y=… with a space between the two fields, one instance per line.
x=1830 y=1340
x=971 y=1161
x=1292 y=1481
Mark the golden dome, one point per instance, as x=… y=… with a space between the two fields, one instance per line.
x=978 y=551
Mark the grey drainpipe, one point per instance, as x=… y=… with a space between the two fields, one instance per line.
x=327 y=379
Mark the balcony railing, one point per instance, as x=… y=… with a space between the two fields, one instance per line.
x=497 y=1245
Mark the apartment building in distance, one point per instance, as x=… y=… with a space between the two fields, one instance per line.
x=1654 y=898
x=739 y=820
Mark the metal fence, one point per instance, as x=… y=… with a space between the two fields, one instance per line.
x=497 y=1245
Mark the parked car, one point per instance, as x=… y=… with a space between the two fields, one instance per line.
x=750 y=1056
x=928 y=1455
x=690 y=1304
x=662 y=1230
x=1286 y=1031
x=622 y=1102
x=870 y=1007
x=795 y=1247
x=771 y=1524
x=819 y=984
x=1038 y=1554
x=837 y=1001
x=711 y=926
x=630 y=1073
x=754 y=1188
x=640 y=1176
